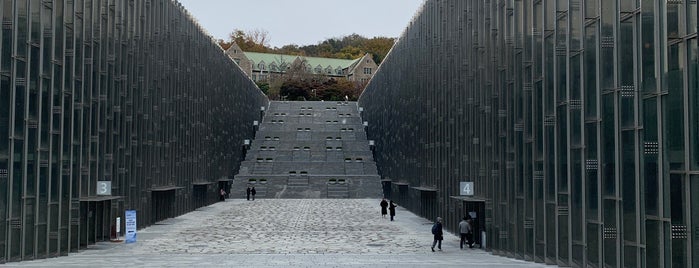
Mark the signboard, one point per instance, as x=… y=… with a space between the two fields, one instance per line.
x=118 y=225
x=104 y=188
x=466 y=188
x=130 y=236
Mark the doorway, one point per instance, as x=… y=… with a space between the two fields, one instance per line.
x=475 y=209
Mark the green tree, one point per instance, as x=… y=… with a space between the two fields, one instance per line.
x=295 y=90
x=379 y=47
x=336 y=89
x=290 y=50
x=349 y=52
x=264 y=86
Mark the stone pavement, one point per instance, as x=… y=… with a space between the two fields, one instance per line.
x=284 y=233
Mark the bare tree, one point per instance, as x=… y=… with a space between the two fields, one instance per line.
x=256 y=40
x=259 y=36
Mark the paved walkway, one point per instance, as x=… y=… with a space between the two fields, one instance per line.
x=284 y=232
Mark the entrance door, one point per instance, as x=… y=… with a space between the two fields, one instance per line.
x=162 y=205
x=199 y=196
x=476 y=211
x=223 y=184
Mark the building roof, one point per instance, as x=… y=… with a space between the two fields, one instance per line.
x=268 y=58
x=325 y=62
x=314 y=62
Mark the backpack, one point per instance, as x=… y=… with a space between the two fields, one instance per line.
x=434 y=229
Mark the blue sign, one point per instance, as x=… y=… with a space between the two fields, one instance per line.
x=130 y=226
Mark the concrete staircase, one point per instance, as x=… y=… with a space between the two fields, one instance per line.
x=309 y=150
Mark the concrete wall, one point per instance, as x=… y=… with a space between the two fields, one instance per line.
x=575 y=120
x=132 y=93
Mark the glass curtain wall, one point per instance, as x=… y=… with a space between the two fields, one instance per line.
x=577 y=122
x=133 y=93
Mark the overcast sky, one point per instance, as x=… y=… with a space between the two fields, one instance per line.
x=304 y=22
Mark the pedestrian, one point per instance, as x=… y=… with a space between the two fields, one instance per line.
x=392 y=209
x=470 y=235
x=438 y=234
x=253 y=192
x=384 y=205
x=464 y=230
x=248 y=192
x=222 y=195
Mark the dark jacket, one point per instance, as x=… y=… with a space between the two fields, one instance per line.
x=392 y=209
x=438 y=233
x=384 y=204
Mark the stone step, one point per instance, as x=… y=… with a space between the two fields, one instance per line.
x=338 y=191
x=311 y=150
x=263 y=168
x=297 y=181
x=344 y=194
x=327 y=186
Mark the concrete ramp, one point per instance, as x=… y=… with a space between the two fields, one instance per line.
x=309 y=150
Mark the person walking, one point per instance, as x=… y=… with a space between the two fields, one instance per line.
x=392 y=209
x=438 y=234
x=470 y=235
x=253 y=192
x=464 y=230
x=222 y=195
x=384 y=205
x=248 y=192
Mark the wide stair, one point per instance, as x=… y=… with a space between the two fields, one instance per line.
x=309 y=150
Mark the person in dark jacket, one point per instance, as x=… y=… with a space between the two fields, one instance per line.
x=248 y=192
x=438 y=234
x=384 y=205
x=253 y=192
x=392 y=209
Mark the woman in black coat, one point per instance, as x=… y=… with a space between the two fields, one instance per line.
x=384 y=205
x=392 y=209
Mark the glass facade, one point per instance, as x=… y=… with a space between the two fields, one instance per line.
x=577 y=121
x=130 y=92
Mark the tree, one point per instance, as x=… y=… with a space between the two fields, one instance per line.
x=290 y=50
x=295 y=90
x=264 y=86
x=256 y=40
x=349 y=53
x=379 y=47
x=224 y=44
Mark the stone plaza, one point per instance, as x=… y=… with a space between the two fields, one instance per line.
x=284 y=233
